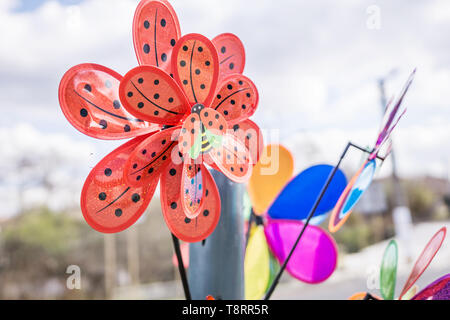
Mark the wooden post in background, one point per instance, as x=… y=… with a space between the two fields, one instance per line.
x=110 y=264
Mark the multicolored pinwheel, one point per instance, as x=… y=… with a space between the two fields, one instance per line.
x=438 y=290
x=364 y=176
x=182 y=93
x=280 y=206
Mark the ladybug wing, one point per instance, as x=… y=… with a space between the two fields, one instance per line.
x=150 y=157
x=195 y=67
x=215 y=126
x=236 y=99
x=231 y=54
x=184 y=228
x=250 y=135
x=192 y=189
x=89 y=98
x=109 y=204
x=233 y=159
x=150 y=93
x=155 y=32
x=190 y=139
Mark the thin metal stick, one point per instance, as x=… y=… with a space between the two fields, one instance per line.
x=311 y=214
x=181 y=270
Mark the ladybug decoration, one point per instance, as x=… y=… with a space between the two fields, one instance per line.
x=186 y=106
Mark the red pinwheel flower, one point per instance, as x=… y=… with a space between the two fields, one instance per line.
x=181 y=87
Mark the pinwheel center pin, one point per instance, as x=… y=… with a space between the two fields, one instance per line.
x=197 y=108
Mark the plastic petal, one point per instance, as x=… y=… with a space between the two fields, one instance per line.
x=231 y=54
x=388 y=271
x=273 y=170
x=150 y=157
x=195 y=67
x=250 y=135
x=236 y=98
x=150 y=93
x=108 y=203
x=89 y=98
x=437 y=290
x=192 y=188
x=314 y=259
x=189 y=230
x=155 y=32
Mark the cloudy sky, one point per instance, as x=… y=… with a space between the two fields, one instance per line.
x=315 y=63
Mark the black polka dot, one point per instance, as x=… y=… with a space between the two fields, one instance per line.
x=221 y=127
x=206 y=213
x=83 y=113
x=249 y=136
x=164 y=57
x=116 y=104
x=104 y=124
x=185 y=48
x=141 y=80
x=206 y=114
x=102 y=196
x=138 y=178
x=146 y=24
x=206 y=192
x=150 y=171
x=156 y=96
x=210 y=123
x=135 y=166
x=219 y=96
x=170 y=100
x=182 y=63
x=244 y=107
x=197 y=72
x=118 y=212
x=126 y=128
x=233 y=102
x=192 y=119
x=153 y=154
x=223 y=50
x=187 y=220
x=173 y=172
x=164 y=158
x=242 y=169
x=185 y=82
x=156 y=112
x=225 y=112
x=140 y=105
x=200 y=49
x=248 y=95
x=207 y=63
x=172 y=42
x=156 y=82
x=173 y=205
x=163 y=142
x=163 y=23
x=135 y=197
x=146 y=48
x=231 y=66
x=108 y=172
x=241 y=83
x=202 y=86
x=130 y=94
x=217 y=116
x=236 y=127
x=229 y=87
x=232 y=169
x=144 y=152
x=88 y=88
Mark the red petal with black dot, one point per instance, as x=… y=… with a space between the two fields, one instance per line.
x=108 y=203
x=236 y=99
x=231 y=54
x=249 y=133
x=151 y=94
x=184 y=228
x=155 y=32
x=150 y=157
x=195 y=66
x=189 y=133
x=89 y=98
x=232 y=158
x=192 y=188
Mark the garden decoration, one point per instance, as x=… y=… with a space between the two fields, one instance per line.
x=186 y=106
x=437 y=290
x=359 y=183
x=275 y=231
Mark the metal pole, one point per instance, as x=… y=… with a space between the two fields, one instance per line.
x=217 y=267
